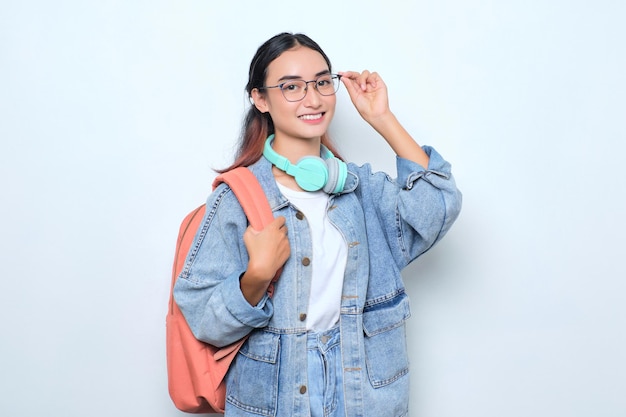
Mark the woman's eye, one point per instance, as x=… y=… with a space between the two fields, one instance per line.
x=291 y=86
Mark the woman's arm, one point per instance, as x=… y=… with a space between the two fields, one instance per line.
x=209 y=289
x=368 y=93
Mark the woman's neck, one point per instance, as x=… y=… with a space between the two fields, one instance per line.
x=295 y=148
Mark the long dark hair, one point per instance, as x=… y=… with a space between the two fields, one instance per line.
x=258 y=126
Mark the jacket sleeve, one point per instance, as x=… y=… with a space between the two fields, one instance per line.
x=415 y=210
x=207 y=291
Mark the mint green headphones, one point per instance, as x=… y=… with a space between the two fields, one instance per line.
x=311 y=173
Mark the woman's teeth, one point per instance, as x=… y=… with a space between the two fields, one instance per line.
x=311 y=116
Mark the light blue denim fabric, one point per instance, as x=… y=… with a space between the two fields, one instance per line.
x=386 y=224
x=325 y=376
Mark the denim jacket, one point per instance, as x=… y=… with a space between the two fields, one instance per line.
x=385 y=223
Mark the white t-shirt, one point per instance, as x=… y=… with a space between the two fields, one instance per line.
x=328 y=259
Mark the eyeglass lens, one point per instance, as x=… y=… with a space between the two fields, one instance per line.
x=296 y=90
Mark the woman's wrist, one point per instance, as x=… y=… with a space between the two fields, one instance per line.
x=386 y=124
x=253 y=287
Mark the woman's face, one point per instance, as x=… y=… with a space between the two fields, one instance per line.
x=308 y=118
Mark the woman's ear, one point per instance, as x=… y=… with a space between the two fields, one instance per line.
x=258 y=100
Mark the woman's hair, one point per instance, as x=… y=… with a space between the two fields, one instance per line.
x=258 y=126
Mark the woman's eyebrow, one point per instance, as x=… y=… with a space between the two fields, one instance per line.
x=297 y=77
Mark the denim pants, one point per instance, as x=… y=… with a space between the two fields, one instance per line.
x=325 y=374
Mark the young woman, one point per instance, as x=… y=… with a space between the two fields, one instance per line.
x=331 y=339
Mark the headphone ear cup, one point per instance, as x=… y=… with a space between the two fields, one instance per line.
x=312 y=173
x=337 y=173
x=333 y=175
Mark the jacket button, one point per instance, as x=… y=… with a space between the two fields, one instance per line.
x=303 y=389
x=306 y=261
x=302 y=316
x=299 y=215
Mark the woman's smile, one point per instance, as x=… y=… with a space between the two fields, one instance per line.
x=311 y=117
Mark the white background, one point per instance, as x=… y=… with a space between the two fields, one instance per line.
x=113 y=113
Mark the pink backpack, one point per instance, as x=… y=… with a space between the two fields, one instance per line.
x=196 y=370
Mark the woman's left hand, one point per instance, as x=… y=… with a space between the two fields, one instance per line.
x=368 y=93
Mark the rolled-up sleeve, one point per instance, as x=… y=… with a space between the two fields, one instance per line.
x=414 y=211
x=428 y=203
x=409 y=172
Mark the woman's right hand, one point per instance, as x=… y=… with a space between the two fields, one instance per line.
x=268 y=251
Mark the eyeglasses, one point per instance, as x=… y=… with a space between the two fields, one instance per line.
x=295 y=90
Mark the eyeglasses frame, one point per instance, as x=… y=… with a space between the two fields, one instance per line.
x=306 y=86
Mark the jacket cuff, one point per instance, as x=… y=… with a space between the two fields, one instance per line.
x=409 y=171
x=236 y=304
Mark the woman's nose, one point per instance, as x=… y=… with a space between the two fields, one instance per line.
x=312 y=97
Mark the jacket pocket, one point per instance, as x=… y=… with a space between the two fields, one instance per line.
x=385 y=340
x=252 y=383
